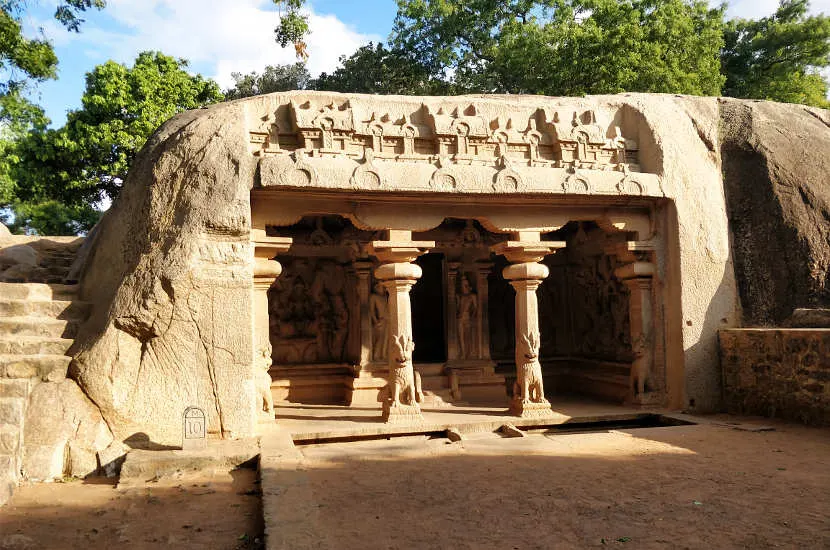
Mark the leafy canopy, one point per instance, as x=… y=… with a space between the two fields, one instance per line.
x=87 y=160
x=375 y=69
x=275 y=78
x=566 y=47
x=24 y=59
x=778 y=57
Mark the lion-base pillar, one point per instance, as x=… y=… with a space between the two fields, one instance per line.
x=398 y=274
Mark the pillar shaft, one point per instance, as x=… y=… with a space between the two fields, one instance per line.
x=364 y=283
x=484 y=269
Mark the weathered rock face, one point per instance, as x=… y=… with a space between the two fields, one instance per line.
x=64 y=431
x=170 y=273
x=170 y=266
x=776 y=161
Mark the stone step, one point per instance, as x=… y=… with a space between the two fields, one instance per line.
x=51 y=367
x=12 y=410
x=437 y=399
x=8 y=477
x=38 y=326
x=37 y=291
x=34 y=345
x=59 y=309
x=435 y=383
x=430 y=369
x=9 y=439
x=14 y=389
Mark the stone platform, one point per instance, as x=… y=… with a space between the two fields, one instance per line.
x=321 y=423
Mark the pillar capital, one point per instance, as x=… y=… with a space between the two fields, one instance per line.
x=527 y=251
x=526 y=271
x=398 y=271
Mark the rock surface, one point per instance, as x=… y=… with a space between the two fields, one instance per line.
x=169 y=271
x=776 y=161
x=63 y=433
x=170 y=265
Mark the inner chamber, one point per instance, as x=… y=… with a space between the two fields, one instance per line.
x=326 y=316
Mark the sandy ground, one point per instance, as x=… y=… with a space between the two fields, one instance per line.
x=210 y=511
x=703 y=486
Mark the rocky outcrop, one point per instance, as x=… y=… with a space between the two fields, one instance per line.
x=776 y=161
x=64 y=432
x=169 y=271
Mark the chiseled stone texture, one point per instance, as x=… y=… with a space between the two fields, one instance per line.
x=777 y=372
x=170 y=265
x=170 y=274
x=63 y=433
x=776 y=161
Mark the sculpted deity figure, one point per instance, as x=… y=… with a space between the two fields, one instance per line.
x=378 y=314
x=340 y=325
x=262 y=380
x=466 y=314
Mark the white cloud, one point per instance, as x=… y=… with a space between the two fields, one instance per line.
x=217 y=36
x=754 y=9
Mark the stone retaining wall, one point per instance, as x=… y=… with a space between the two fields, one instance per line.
x=777 y=372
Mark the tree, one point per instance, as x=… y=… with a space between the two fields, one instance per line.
x=275 y=78
x=86 y=161
x=33 y=58
x=378 y=70
x=778 y=57
x=566 y=47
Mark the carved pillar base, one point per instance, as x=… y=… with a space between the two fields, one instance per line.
x=530 y=409
x=402 y=414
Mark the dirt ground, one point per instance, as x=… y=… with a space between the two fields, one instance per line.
x=703 y=486
x=708 y=486
x=209 y=511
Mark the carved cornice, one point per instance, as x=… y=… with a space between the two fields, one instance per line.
x=331 y=144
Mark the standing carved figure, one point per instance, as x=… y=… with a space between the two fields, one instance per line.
x=340 y=322
x=262 y=380
x=404 y=380
x=641 y=367
x=378 y=313
x=466 y=314
x=528 y=386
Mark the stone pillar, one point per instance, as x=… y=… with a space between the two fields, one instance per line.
x=266 y=271
x=483 y=272
x=452 y=308
x=364 y=289
x=397 y=274
x=638 y=278
x=525 y=275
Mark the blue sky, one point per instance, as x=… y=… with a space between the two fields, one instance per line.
x=222 y=36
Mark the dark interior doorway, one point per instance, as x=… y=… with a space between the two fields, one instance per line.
x=428 y=311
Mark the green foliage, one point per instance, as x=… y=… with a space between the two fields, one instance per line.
x=279 y=78
x=378 y=70
x=293 y=24
x=566 y=47
x=777 y=57
x=33 y=59
x=87 y=160
x=52 y=217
